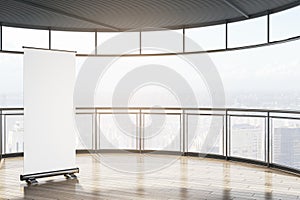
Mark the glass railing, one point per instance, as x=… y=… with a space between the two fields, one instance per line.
x=266 y=137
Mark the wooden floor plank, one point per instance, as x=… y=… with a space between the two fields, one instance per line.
x=186 y=178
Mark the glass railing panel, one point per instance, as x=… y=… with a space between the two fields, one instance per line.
x=161 y=132
x=286 y=142
x=84 y=136
x=247 y=137
x=13 y=134
x=118 y=131
x=205 y=134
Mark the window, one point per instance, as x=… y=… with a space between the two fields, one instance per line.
x=205 y=38
x=14 y=39
x=285 y=24
x=118 y=43
x=264 y=77
x=162 y=41
x=248 y=32
x=11 y=80
x=82 y=42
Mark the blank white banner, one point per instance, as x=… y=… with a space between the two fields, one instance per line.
x=49 y=131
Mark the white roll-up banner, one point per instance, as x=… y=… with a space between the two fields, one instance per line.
x=49 y=131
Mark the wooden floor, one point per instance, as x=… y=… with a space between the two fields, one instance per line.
x=186 y=178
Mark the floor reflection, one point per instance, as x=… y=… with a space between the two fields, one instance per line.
x=185 y=178
x=52 y=189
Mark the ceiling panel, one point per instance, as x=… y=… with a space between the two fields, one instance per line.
x=121 y=15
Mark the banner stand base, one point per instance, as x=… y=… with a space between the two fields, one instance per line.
x=31 y=178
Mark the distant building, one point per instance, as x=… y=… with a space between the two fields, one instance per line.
x=247 y=141
x=286 y=147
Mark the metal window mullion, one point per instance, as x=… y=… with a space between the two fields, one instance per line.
x=183 y=40
x=96 y=43
x=1 y=34
x=140 y=42
x=268 y=28
x=50 y=38
x=226 y=36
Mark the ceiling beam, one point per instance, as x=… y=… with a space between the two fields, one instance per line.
x=64 y=13
x=236 y=8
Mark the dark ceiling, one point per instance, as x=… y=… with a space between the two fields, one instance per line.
x=122 y=15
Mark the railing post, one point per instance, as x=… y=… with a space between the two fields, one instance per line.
x=4 y=133
x=226 y=134
x=1 y=134
x=95 y=129
x=140 y=130
x=183 y=132
x=268 y=140
x=137 y=131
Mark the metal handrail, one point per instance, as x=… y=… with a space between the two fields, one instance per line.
x=174 y=109
x=225 y=113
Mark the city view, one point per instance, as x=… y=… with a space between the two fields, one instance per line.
x=247 y=134
x=244 y=74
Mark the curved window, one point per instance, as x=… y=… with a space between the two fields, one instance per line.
x=82 y=42
x=206 y=38
x=265 y=77
x=165 y=41
x=248 y=32
x=13 y=39
x=11 y=80
x=118 y=43
x=285 y=24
